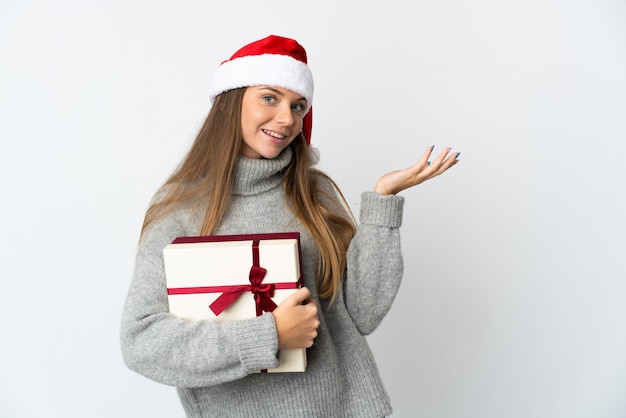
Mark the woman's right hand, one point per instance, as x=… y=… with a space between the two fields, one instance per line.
x=296 y=320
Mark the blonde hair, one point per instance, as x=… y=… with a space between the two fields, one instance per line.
x=209 y=168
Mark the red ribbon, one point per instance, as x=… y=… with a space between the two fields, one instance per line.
x=263 y=293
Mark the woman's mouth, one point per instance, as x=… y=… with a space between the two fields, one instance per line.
x=274 y=134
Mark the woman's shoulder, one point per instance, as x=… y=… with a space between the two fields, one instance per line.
x=181 y=219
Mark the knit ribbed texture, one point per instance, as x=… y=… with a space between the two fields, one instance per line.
x=215 y=366
x=381 y=210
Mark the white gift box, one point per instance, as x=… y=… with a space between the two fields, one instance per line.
x=234 y=277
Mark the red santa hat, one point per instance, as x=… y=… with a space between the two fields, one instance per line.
x=272 y=61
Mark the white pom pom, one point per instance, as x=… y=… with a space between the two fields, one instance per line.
x=314 y=155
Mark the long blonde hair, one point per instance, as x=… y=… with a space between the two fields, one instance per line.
x=209 y=168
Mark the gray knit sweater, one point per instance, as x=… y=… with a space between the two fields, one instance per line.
x=214 y=366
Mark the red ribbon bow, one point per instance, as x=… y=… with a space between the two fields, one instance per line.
x=263 y=293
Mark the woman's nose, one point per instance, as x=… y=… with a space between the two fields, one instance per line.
x=284 y=115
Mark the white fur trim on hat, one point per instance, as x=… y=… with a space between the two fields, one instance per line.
x=267 y=69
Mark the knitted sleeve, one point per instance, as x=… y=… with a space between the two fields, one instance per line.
x=180 y=352
x=374 y=263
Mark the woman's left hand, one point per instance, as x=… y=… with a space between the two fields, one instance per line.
x=396 y=181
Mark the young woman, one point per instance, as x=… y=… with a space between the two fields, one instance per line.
x=250 y=170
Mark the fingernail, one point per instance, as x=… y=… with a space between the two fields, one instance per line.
x=428 y=162
x=457 y=155
x=432 y=148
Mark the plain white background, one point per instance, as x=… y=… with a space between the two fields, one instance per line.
x=513 y=299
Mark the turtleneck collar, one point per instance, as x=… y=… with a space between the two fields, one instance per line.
x=254 y=176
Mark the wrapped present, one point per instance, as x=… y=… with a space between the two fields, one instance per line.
x=234 y=277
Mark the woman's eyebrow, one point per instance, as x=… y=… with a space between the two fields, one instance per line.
x=280 y=93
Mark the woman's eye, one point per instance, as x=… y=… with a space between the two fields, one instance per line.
x=298 y=107
x=269 y=99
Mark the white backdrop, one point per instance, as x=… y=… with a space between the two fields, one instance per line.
x=513 y=299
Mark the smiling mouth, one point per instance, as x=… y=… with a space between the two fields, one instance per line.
x=274 y=134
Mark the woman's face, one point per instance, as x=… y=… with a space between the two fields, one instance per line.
x=271 y=117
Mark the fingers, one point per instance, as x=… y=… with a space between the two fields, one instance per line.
x=298 y=297
x=441 y=157
x=444 y=161
x=426 y=156
x=297 y=320
x=448 y=162
x=422 y=164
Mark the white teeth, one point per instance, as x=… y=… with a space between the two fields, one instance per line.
x=274 y=134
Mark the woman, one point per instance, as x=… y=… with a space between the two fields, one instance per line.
x=250 y=170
